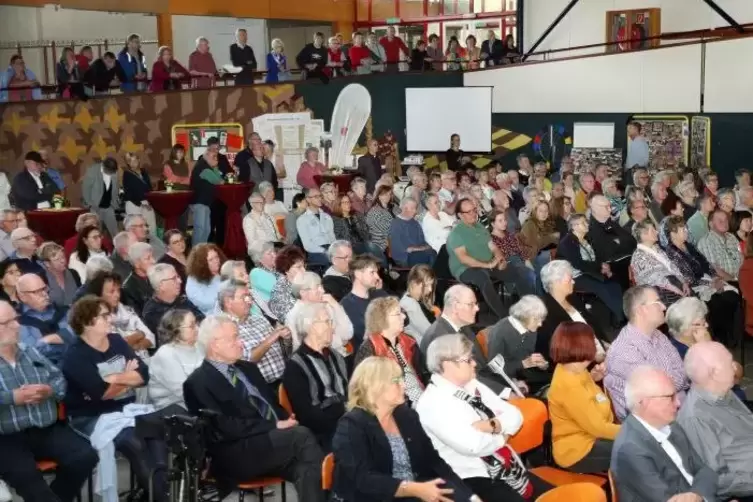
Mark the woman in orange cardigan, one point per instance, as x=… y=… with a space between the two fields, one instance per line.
x=583 y=427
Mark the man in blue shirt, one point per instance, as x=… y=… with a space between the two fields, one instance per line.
x=408 y=245
x=316 y=229
x=133 y=63
x=637 y=149
x=29 y=428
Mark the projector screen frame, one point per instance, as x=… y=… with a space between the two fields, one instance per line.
x=491 y=113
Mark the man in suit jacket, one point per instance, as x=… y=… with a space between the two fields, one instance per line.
x=652 y=458
x=246 y=421
x=492 y=50
x=460 y=308
x=100 y=192
x=32 y=188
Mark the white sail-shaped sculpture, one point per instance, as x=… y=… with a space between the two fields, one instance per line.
x=349 y=117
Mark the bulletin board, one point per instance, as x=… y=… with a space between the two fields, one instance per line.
x=668 y=140
x=700 y=142
x=194 y=138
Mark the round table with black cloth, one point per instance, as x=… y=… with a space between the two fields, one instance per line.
x=341 y=181
x=170 y=205
x=54 y=224
x=234 y=196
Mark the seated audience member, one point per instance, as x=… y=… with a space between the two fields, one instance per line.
x=167 y=296
x=652 y=267
x=418 y=301
x=710 y=183
x=637 y=212
x=289 y=264
x=652 y=457
x=264 y=346
x=640 y=343
x=203 y=269
x=458 y=316
x=291 y=219
x=539 y=234
x=336 y=280
x=44 y=325
x=315 y=229
x=234 y=270
x=307 y=288
x=9 y=274
x=264 y=276
x=720 y=247
x=659 y=195
x=122 y=242
x=351 y=226
x=408 y=246
x=86 y=220
x=469 y=425
x=315 y=377
x=103 y=373
x=25 y=248
x=587 y=184
x=717 y=423
x=89 y=244
x=532 y=197
x=612 y=244
x=746 y=283
x=473 y=258
x=360 y=200
x=63 y=283
x=447 y=192
x=136 y=287
x=175 y=254
x=328 y=190
x=514 y=338
x=177 y=357
x=518 y=269
x=726 y=201
x=310 y=168
x=136 y=225
x=583 y=425
x=741 y=225
x=688 y=195
x=562 y=305
x=258 y=226
x=31 y=389
x=722 y=300
x=94 y=265
x=381 y=448
x=366 y=287
x=436 y=224
x=589 y=275
x=561 y=209
x=384 y=324
x=698 y=224
x=8 y=223
x=272 y=207
x=380 y=216
x=247 y=420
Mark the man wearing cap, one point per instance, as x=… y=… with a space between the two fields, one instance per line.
x=32 y=188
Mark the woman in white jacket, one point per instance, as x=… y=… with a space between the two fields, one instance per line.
x=469 y=425
x=436 y=224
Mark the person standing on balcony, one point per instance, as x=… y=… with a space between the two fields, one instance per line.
x=101 y=74
x=435 y=52
x=242 y=56
x=133 y=63
x=360 y=55
x=637 y=148
x=84 y=58
x=313 y=58
x=393 y=45
x=68 y=74
x=19 y=83
x=378 y=56
x=277 y=63
x=167 y=73
x=492 y=50
x=201 y=65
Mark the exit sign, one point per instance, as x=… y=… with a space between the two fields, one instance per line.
x=393 y=20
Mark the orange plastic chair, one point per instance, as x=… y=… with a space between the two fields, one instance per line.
x=631 y=276
x=531 y=434
x=282 y=396
x=481 y=337
x=612 y=487
x=46 y=465
x=349 y=348
x=328 y=469
x=280 y=223
x=436 y=311
x=560 y=477
x=578 y=492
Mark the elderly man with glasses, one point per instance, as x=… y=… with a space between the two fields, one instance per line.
x=259 y=227
x=8 y=223
x=25 y=245
x=166 y=283
x=316 y=229
x=43 y=324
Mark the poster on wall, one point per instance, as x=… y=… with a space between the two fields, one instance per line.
x=700 y=142
x=586 y=159
x=668 y=138
x=194 y=138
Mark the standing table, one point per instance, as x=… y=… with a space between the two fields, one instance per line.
x=341 y=181
x=234 y=195
x=54 y=224
x=170 y=205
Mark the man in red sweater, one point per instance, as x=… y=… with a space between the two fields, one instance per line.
x=392 y=47
x=360 y=55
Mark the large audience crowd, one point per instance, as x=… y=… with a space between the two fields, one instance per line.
x=400 y=327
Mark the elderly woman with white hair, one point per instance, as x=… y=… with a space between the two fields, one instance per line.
x=307 y=288
x=652 y=267
x=688 y=194
x=201 y=65
x=272 y=207
x=469 y=425
x=277 y=63
x=514 y=338
x=136 y=287
x=562 y=305
x=258 y=226
x=315 y=378
x=263 y=276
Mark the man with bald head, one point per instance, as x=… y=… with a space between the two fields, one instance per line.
x=718 y=424
x=43 y=324
x=652 y=458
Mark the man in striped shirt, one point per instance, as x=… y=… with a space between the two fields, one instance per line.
x=30 y=387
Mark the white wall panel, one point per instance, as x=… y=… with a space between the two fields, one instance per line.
x=221 y=34
x=665 y=80
x=728 y=82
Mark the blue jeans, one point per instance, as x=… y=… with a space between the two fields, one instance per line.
x=608 y=292
x=517 y=263
x=372 y=249
x=202 y=224
x=320 y=259
x=539 y=261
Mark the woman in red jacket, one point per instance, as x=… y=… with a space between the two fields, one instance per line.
x=166 y=72
x=360 y=55
x=335 y=59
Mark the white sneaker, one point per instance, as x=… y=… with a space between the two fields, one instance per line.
x=5 y=495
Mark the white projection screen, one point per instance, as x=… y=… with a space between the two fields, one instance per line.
x=433 y=114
